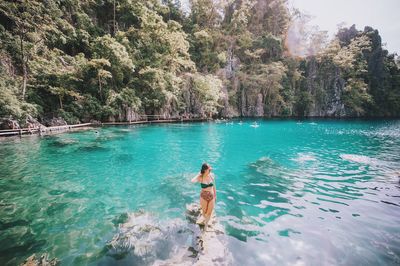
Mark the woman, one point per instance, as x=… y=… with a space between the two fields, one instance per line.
x=208 y=192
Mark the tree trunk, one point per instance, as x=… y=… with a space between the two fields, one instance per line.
x=100 y=92
x=24 y=70
x=59 y=98
x=25 y=78
x=114 y=20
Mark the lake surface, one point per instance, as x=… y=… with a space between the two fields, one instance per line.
x=320 y=192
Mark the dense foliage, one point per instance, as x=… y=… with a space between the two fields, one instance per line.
x=116 y=59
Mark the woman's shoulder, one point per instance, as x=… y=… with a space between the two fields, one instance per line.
x=212 y=176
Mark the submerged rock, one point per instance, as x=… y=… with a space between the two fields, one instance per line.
x=210 y=246
x=41 y=261
x=61 y=142
x=137 y=234
x=142 y=239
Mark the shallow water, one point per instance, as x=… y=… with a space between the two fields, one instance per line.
x=318 y=192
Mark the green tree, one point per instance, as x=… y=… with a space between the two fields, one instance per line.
x=207 y=89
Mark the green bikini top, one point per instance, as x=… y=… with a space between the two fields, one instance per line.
x=206 y=185
x=203 y=185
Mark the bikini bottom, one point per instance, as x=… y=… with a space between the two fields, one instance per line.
x=206 y=195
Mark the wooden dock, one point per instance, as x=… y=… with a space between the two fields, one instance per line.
x=55 y=129
x=156 y=121
x=42 y=130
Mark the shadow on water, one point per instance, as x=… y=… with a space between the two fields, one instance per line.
x=268 y=180
x=60 y=142
x=97 y=142
x=176 y=190
x=92 y=147
x=265 y=180
x=18 y=242
x=88 y=141
x=57 y=192
x=56 y=208
x=123 y=158
x=114 y=134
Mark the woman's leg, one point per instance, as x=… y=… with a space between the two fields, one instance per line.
x=204 y=206
x=204 y=209
x=209 y=211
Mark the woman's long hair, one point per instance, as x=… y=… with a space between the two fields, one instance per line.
x=204 y=168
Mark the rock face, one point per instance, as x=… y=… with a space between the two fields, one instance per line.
x=42 y=261
x=144 y=240
x=9 y=123
x=229 y=93
x=31 y=122
x=322 y=82
x=325 y=85
x=259 y=105
x=55 y=121
x=326 y=104
x=127 y=115
x=95 y=122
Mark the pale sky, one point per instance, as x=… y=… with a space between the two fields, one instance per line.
x=383 y=15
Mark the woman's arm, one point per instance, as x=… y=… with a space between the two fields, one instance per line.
x=195 y=179
x=215 y=187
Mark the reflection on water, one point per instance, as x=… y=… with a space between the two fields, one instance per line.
x=319 y=193
x=325 y=213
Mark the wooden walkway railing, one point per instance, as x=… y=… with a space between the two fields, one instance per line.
x=145 y=120
x=24 y=131
x=160 y=119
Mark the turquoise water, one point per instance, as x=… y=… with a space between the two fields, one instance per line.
x=313 y=192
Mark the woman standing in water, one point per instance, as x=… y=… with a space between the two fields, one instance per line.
x=208 y=192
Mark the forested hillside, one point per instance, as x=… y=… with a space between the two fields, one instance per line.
x=112 y=60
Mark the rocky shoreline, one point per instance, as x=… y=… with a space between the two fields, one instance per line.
x=212 y=249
